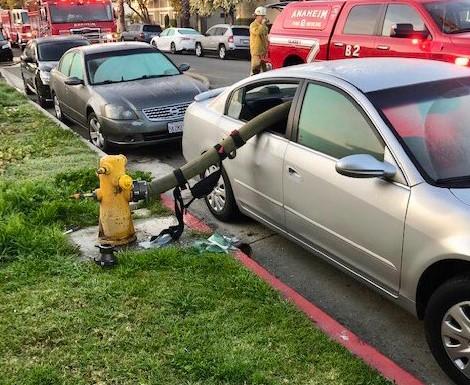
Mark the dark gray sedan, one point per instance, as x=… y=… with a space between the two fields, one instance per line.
x=124 y=93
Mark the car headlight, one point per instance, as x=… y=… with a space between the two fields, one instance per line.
x=6 y=46
x=45 y=76
x=115 y=112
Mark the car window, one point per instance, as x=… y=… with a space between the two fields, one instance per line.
x=362 y=20
x=211 y=31
x=221 y=31
x=171 y=32
x=241 y=31
x=164 y=33
x=248 y=102
x=64 y=65
x=401 y=14
x=76 y=68
x=53 y=51
x=334 y=125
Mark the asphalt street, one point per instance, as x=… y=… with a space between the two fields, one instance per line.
x=373 y=318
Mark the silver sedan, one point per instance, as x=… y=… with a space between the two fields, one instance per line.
x=369 y=170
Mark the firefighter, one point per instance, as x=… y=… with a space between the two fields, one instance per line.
x=259 y=41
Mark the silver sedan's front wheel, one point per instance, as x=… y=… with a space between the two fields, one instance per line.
x=96 y=134
x=447 y=324
x=221 y=201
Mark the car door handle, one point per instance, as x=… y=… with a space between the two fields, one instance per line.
x=383 y=47
x=293 y=172
x=338 y=44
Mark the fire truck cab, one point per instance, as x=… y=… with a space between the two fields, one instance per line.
x=93 y=19
x=16 y=25
x=308 y=31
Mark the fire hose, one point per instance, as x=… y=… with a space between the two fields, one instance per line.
x=227 y=148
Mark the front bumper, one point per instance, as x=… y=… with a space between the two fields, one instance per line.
x=140 y=132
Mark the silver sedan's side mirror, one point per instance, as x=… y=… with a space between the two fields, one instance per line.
x=364 y=166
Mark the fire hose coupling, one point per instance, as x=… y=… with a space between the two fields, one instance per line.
x=140 y=190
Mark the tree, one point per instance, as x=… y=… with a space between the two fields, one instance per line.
x=121 y=24
x=182 y=7
x=207 y=7
x=140 y=8
x=10 y=4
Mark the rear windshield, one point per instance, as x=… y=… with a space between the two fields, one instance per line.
x=129 y=65
x=152 y=28
x=188 y=31
x=53 y=51
x=241 y=31
x=451 y=16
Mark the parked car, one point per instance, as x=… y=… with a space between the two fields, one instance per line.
x=6 y=54
x=326 y=30
x=123 y=93
x=176 y=40
x=141 y=32
x=39 y=57
x=370 y=170
x=225 y=39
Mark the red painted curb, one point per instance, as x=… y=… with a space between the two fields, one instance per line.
x=388 y=368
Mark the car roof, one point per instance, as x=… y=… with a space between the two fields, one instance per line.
x=373 y=74
x=52 y=39
x=112 y=47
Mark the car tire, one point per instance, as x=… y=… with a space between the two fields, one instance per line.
x=97 y=138
x=221 y=201
x=27 y=90
x=39 y=97
x=58 y=110
x=198 y=50
x=222 y=52
x=447 y=326
x=173 y=48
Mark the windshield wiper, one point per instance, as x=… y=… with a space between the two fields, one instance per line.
x=107 y=82
x=463 y=30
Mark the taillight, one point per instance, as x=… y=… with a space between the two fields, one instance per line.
x=230 y=39
x=462 y=61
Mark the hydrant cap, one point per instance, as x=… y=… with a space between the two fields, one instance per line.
x=125 y=182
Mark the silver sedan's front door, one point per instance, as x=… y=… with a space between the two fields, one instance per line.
x=357 y=222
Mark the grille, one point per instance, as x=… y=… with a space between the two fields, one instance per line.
x=89 y=33
x=175 y=111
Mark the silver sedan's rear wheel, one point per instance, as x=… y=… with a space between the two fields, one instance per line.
x=221 y=201
x=447 y=323
x=97 y=137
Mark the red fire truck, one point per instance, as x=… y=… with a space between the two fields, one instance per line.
x=16 y=25
x=93 y=19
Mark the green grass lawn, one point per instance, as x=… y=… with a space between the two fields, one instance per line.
x=170 y=316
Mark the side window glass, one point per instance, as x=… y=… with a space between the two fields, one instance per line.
x=210 y=32
x=247 y=103
x=65 y=62
x=333 y=125
x=402 y=14
x=362 y=20
x=76 y=68
x=171 y=32
x=221 y=31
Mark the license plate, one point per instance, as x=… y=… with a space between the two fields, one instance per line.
x=174 y=127
x=245 y=41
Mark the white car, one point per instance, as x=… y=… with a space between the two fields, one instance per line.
x=176 y=40
x=369 y=169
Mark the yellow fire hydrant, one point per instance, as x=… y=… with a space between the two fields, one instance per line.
x=114 y=194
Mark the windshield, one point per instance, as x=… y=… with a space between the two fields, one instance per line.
x=188 y=31
x=79 y=13
x=53 y=51
x=432 y=120
x=152 y=28
x=451 y=16
x=24 y=18
x=241 y=31
x=123 y=66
